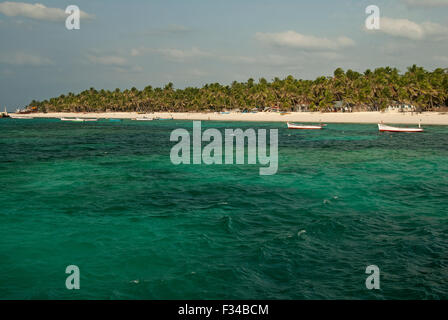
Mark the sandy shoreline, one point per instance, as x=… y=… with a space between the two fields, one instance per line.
x=429 y=118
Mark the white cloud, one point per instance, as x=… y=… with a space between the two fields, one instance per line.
x=294 y=39
x=127 y=69
x=171 y=29
x=137 y=52
x=108 y=60
x=426 y=3
x=295 y=61
x=36 y=11
x=114 y=62
x=443 y=59
x=408 y=29
x=7 y=72
x=25 y=59
x=171 y=53
x=269 y=60
x=292 y=60
x=329 y=55
x=239 y=59
x=196 y=73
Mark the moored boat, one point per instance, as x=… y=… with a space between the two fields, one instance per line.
x=144 y=119
x=305 y=127
x=78 y=119
x=14 y=116
x=386 y=128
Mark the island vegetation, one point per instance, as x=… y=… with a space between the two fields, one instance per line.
x=345 y=90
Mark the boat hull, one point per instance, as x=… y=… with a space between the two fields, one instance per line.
x=385 y=128
x=304 y=127
x=78 y=119
x=19 y=117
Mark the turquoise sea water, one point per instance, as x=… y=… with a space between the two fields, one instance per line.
x=104 y=196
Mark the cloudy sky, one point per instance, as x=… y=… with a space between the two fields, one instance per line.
x=140 y=42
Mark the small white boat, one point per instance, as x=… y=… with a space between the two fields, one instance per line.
x=70 y=119
x=386 y=128
x=144 y=119
x=20 y=117
x=305 y=127
x=78 y=119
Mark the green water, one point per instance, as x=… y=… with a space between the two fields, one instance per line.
x=105 y=197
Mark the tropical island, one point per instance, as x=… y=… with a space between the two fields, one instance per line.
x=369 y=91
x=384 y=89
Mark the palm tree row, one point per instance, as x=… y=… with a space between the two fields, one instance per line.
x=371 y=90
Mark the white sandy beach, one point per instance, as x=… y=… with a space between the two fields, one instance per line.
x=428 y=118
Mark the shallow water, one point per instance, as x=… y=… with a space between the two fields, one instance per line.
x=105 y=196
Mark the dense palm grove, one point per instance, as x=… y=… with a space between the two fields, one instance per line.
x=372 y=90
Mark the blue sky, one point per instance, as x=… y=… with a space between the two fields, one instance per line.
x=137 y=43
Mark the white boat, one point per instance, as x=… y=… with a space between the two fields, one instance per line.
x=386 y=128
x=78 y=119
x=13 y=116
x=144 y=119
x=305 y=127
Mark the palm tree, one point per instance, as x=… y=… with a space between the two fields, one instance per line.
x=371 y=90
